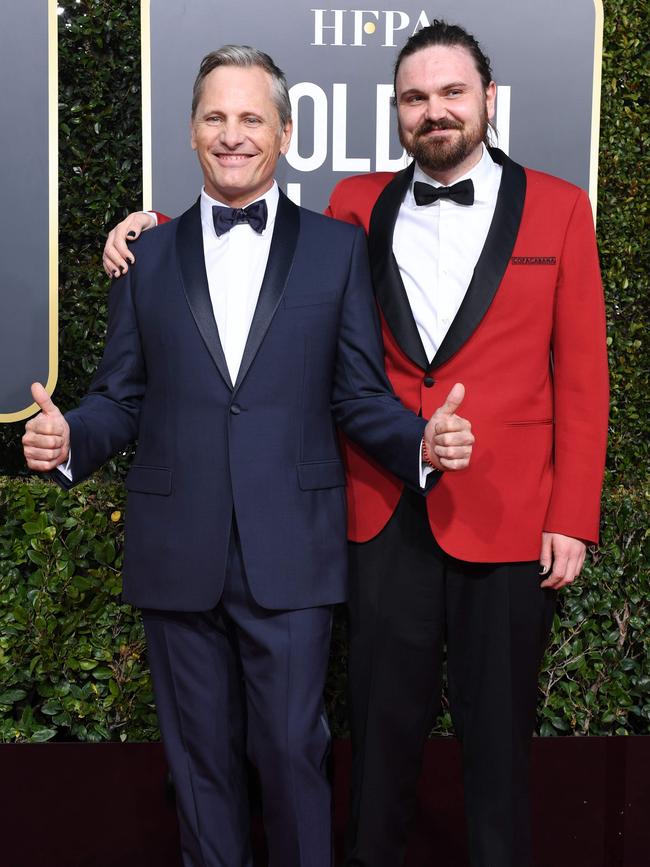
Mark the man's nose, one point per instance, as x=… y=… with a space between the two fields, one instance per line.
x=435 y=108
x=230 y=134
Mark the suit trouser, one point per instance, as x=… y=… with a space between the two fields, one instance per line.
x=240 y=679
x=407 y=599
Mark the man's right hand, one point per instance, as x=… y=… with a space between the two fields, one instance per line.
x=449 y=437
x=46 y=441
x=117 y=256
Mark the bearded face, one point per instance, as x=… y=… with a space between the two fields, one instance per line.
x=443 y=109
x=437 y=152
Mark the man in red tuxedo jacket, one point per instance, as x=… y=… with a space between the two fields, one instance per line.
x=487 y=273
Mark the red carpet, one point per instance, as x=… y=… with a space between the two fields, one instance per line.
x=105 y=805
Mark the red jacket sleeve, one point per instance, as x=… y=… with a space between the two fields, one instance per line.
x=581 y=383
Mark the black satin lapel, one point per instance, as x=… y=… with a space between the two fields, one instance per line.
x=493 y=260
x=389 y=288
x=189 y=241
x=281 y=254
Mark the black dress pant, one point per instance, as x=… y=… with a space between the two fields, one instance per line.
x=408 y=599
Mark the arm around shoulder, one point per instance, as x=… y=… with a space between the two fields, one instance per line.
x=117 y=255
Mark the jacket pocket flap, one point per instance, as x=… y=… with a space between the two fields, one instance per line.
x=525 y=422
x=321 y=474
x=149 y=480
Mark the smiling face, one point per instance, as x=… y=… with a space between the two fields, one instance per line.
x=443 y=110
x=237 y=134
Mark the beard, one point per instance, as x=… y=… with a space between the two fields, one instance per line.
x=443 y=154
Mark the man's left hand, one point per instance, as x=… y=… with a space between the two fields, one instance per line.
x=449 y=437
x=563 y=557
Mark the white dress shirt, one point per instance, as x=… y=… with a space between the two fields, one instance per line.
x=235 y=264
x=437 y=247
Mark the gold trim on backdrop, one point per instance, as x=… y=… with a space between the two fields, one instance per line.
x=53 y=210
x=145 y=66
x=595 y=105
x=53 y=105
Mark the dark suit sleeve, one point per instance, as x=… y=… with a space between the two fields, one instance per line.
x=107 y=419
x=363 y=403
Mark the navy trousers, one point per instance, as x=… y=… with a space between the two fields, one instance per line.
x=242 y=679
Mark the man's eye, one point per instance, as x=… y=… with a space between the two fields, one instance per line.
x=213 y=119
x=253 y=121
x=413 y=99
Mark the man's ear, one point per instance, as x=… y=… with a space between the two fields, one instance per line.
x=285 y=137
x=192 y=134
x=490 y=99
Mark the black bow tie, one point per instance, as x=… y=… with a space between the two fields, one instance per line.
x=462 y=193
x=225 y=218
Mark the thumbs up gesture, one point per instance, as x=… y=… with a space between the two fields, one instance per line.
x=448 y=438
x=46 y=441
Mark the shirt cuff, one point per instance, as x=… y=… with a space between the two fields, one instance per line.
x=66 y=468
x=425 y=469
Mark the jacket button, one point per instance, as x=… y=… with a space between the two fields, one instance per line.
x=235 y=409
x=429 y=381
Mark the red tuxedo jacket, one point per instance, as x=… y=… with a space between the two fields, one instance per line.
x=528 y=342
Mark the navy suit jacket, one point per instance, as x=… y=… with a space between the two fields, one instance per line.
x=265 y=447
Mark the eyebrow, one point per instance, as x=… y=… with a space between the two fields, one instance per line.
x=248 y=113
x=447 y=86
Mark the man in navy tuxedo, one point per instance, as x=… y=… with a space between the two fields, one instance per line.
x=244 y=335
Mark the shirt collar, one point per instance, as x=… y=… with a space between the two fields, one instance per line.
x=484 y=175
x=272 y=197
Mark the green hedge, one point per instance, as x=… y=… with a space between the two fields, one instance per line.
x=71 y=656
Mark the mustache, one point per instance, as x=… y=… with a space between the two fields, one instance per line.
x=430 y=125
